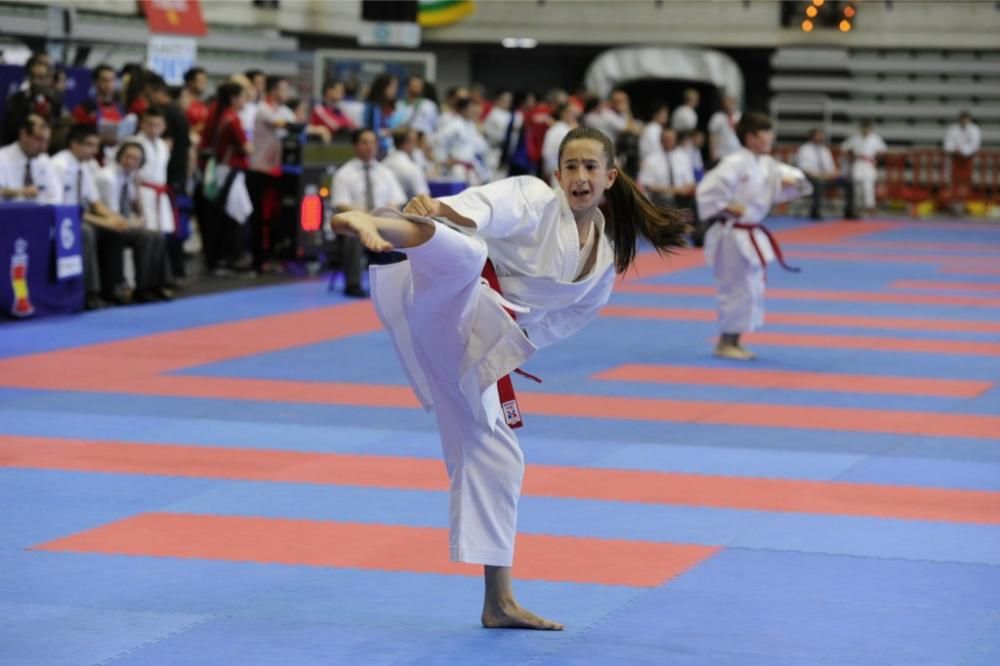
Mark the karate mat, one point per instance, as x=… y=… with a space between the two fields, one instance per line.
x=245 y=477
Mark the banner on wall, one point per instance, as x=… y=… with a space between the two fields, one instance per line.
x=171 y=56
x=436 y=13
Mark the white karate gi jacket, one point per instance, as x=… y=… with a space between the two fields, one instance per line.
x=528 y=231
x=755 y=182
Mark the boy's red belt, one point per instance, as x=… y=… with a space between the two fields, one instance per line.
x=505 y=388
x=774 y=245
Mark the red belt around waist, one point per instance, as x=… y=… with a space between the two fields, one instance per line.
x=505 y=387
x=162 y=190
x=774 y=245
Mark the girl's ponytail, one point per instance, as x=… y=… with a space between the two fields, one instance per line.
x=629 y=215
x=627 y=211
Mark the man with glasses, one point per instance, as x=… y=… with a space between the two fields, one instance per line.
x=26 y=173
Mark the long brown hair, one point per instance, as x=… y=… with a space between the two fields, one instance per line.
x=627 y=211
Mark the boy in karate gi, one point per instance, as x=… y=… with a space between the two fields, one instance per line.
x=737 y=195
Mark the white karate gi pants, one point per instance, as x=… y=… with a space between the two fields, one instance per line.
x=485 y=465
x=740 y=282
x=864 y=176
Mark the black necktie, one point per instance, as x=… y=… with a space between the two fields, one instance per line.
x=79 y=185
x=369 y=190
x=123 y=200
x=28 y=179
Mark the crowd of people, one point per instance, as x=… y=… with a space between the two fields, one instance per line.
x=144 y=159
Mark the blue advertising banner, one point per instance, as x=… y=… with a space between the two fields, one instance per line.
x=31 y=287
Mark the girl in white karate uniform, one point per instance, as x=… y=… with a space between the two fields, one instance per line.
x=738 y=194
x=555 y=254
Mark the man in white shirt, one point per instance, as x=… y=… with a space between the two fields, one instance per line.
x=962 y=141
x=26 y=173
x=722 y=139
x=685 y=117
x=118 y=188
x=649 y=139
x=816 y=161
x=655 y=173
x=400 y=161
x=264 y=176
x=566 y=117
x=864 y=149
x=362 y=184
x=76 y=169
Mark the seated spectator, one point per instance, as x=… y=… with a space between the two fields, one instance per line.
x=400 y=161
x=118 y=189
x=816 y=161
x=26 y=173
x=76 y=168
x=362 y=184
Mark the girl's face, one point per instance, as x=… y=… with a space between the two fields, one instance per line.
x=584 y=174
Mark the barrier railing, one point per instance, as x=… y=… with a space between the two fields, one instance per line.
x=929 y=177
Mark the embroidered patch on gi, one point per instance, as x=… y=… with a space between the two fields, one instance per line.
x=511 y=413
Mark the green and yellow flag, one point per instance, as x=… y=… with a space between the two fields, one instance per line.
x=436 y=13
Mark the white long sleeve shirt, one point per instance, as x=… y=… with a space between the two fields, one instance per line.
x=43 y=175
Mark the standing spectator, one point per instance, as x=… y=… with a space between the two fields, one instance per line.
x=417 y=110
x=223 y=237
x=179 y=170
x=154 y=195
x=962 y=141
x=565 y=116
x=264 y=177
x=722 y=139
x=864 y=149
x=362 y=184
x=328 y=114
x=652 y=132
x=254 y=80
x=192 y=99
x=655 y=174
x=34 y=99
x=379 y=109
x=103 y=111
x=461 y=149
x=400 y=161
x=685 y=117
x=26 y=173
x=816 y=161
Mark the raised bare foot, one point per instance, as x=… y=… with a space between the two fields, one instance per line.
x=512 y=616
x=362 y=225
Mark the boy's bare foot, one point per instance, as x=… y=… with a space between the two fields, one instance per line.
x=362 y=225
x=512 y=616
